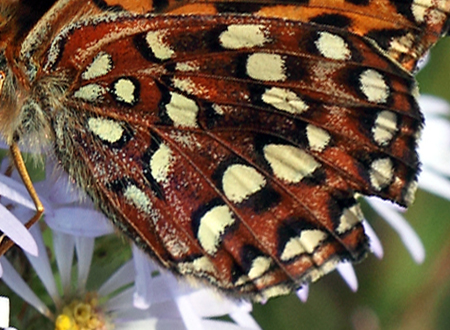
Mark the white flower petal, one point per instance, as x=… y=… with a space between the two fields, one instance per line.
x=4 y=312
x=347 y=272
x=408 y=236
x=16 y=231
x=15 y=282
x=85 y=249
x=144 y=268
x=188 y=314
x=64 y=246
x=122 y=277
x=303 y=293
x=434 y=183
x=80 y=221
x=41 y=265
x=15 y=191
x=374 y=241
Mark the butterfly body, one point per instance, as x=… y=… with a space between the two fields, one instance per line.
x=228 y=139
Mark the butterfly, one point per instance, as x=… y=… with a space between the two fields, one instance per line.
x=227 y=139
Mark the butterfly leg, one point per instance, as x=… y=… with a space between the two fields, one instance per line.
x=6 y=243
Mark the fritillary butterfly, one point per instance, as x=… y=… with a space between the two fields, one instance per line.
x=226 y=138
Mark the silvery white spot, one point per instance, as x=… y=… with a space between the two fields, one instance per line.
x=317 y=137
x=373 y=86
x=323 y=269
x=402 y=44
x=182 y=110
x=260 y=265
x=160 y=163
x=124 y=90
x=290 y=163
x=106 y=129
x=101 y=65
x=307 y=241
x=243 y=36
x=332 y=46
x=266 y=67
x=381 y=173
x=138 y=198
x=284 y=99
x=349 y=218
x=241 y=181
x=212 y=226
x=385 y=127
x=90 y=93
x=160 y=48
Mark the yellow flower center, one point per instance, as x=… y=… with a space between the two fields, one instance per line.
x=82 y=315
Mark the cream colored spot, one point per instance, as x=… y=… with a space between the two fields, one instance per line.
x=240 y=181
x=349 y=218
x=275 y=291
x=199 y=265
x=266 y=67
x=182 y=111
x=381 y=173
x=90 y=93
x=260 y=265
x=410 y=192
x=332 y=46
x=212 y=226
x=187 y=66
x=243 y=36
x=124 y=90
x=106 y=129
x=318 y=138
x=138 y=198
x=160 y=163
x=419 y=9
x=284 y=99
x=373 y=86
x=385 y=127
x=307 y=242
x=290 y=163
x=185 y=85
x=101 y=65
x=159 y=47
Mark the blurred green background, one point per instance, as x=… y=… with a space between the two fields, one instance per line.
x=394 y=293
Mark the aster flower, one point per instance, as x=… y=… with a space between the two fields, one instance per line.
x=137 y=296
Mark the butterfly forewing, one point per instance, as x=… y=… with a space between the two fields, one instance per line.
x=228 y=139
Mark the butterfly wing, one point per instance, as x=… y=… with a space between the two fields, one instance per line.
x=231 y=146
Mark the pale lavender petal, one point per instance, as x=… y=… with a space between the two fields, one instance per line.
x=188 y=314
x=374 y=241
x=16 y=231
x=15 y=282
x=121 y=301
x=41 y=265
x=64 y=247
x=434 y=183
x=408 y=236
x=221 y=325
x=144 y=269
x=242 y=316
x=80 y=221
x=84 y=247
x=432 y=105
x=15 y=191
x=1 y=270
x=151 y=324
x=4 y=312
x=347 y=272
x=123 y=276
x=303 y=293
